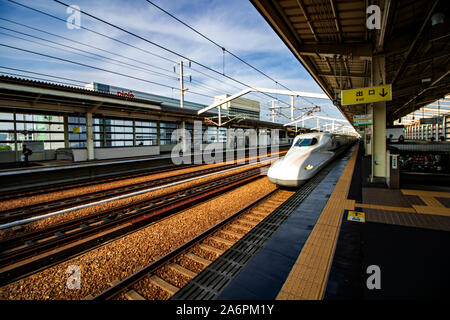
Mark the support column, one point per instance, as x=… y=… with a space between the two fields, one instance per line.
x=134 y=133
x=183 y=124
x=379 y=167
x=16 y=152
x=158 y=133
x=292 y=114
x=66 y=131
x=89 y=136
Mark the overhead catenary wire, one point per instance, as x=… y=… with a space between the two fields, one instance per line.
x=84 y=44
x=196 y=83
x=161 y=47
x=41 y=79
x=108 y=37
x=96 y=56
x=212 y=41
x=43 y=74
x=151 y=53
x=98 y=68
x=111 y=38
x=95 y=32
x=219 y=46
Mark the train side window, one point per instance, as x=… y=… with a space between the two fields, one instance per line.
x=314 y=141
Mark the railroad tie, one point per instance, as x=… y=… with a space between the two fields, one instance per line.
x=240 y=228
x=133 y=295
x=267 y=208
x=248 y=221
x=182 y=270
x=161 y=283
x=273 y=203
x=261 y=212
x=255 y=218
x=222 y=241
x=232 y=234
x=196 y=258
x=211 y=249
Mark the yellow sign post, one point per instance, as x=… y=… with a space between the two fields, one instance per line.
x=366 y=95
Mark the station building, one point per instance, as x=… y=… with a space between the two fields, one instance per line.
x=240 y=107
x=101 y=122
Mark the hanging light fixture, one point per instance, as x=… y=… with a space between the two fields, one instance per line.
x=437 y=18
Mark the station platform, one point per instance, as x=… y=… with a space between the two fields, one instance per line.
x=345 y=240
x=52 y=173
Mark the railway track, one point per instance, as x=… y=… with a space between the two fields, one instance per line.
x=28 y=253
x=49 y=206
x=13 y=194
x=29 y=192
x=164 y=277
x=44 y=207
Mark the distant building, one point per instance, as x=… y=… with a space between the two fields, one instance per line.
x=247 y=108
x=166 y=101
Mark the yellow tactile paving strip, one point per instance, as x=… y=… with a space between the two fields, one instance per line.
x=432 y=202
x=308 y=277
x=441 y=211
x=423 y=193
x=433 y=206
x=387 y=208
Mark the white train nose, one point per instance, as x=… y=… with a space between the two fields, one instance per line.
x=308 y=154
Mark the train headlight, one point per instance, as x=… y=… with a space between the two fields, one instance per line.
x=309 y=167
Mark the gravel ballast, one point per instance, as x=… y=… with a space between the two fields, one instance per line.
x=122 y=257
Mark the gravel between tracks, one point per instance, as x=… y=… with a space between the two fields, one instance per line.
x=122 y=257
x=57 y=219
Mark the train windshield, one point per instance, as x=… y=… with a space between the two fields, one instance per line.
x=305 y=142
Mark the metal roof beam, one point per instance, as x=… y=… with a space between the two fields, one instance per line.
x=336 y=19
x=363 y=50
x=352 y=75
x=412 y=47
x=308 y=19
x=314 y=117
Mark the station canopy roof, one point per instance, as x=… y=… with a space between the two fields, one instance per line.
x=331 y=40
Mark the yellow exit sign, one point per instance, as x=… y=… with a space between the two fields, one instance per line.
x=366 y=95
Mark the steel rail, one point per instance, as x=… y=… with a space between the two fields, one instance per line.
x=118 y=223
x=129 y=281
x=123 y=196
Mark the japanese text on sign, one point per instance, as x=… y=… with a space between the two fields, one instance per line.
x=366 y=95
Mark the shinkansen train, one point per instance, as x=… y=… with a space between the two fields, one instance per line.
x=308 y=154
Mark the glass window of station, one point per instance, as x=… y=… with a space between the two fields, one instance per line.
x=18 y=128
x=56 y=130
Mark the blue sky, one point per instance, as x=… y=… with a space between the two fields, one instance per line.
x=234 y=24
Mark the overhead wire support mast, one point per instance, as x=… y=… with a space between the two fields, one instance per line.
x=182 y=90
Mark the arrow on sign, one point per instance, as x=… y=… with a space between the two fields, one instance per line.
x=383 y=93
